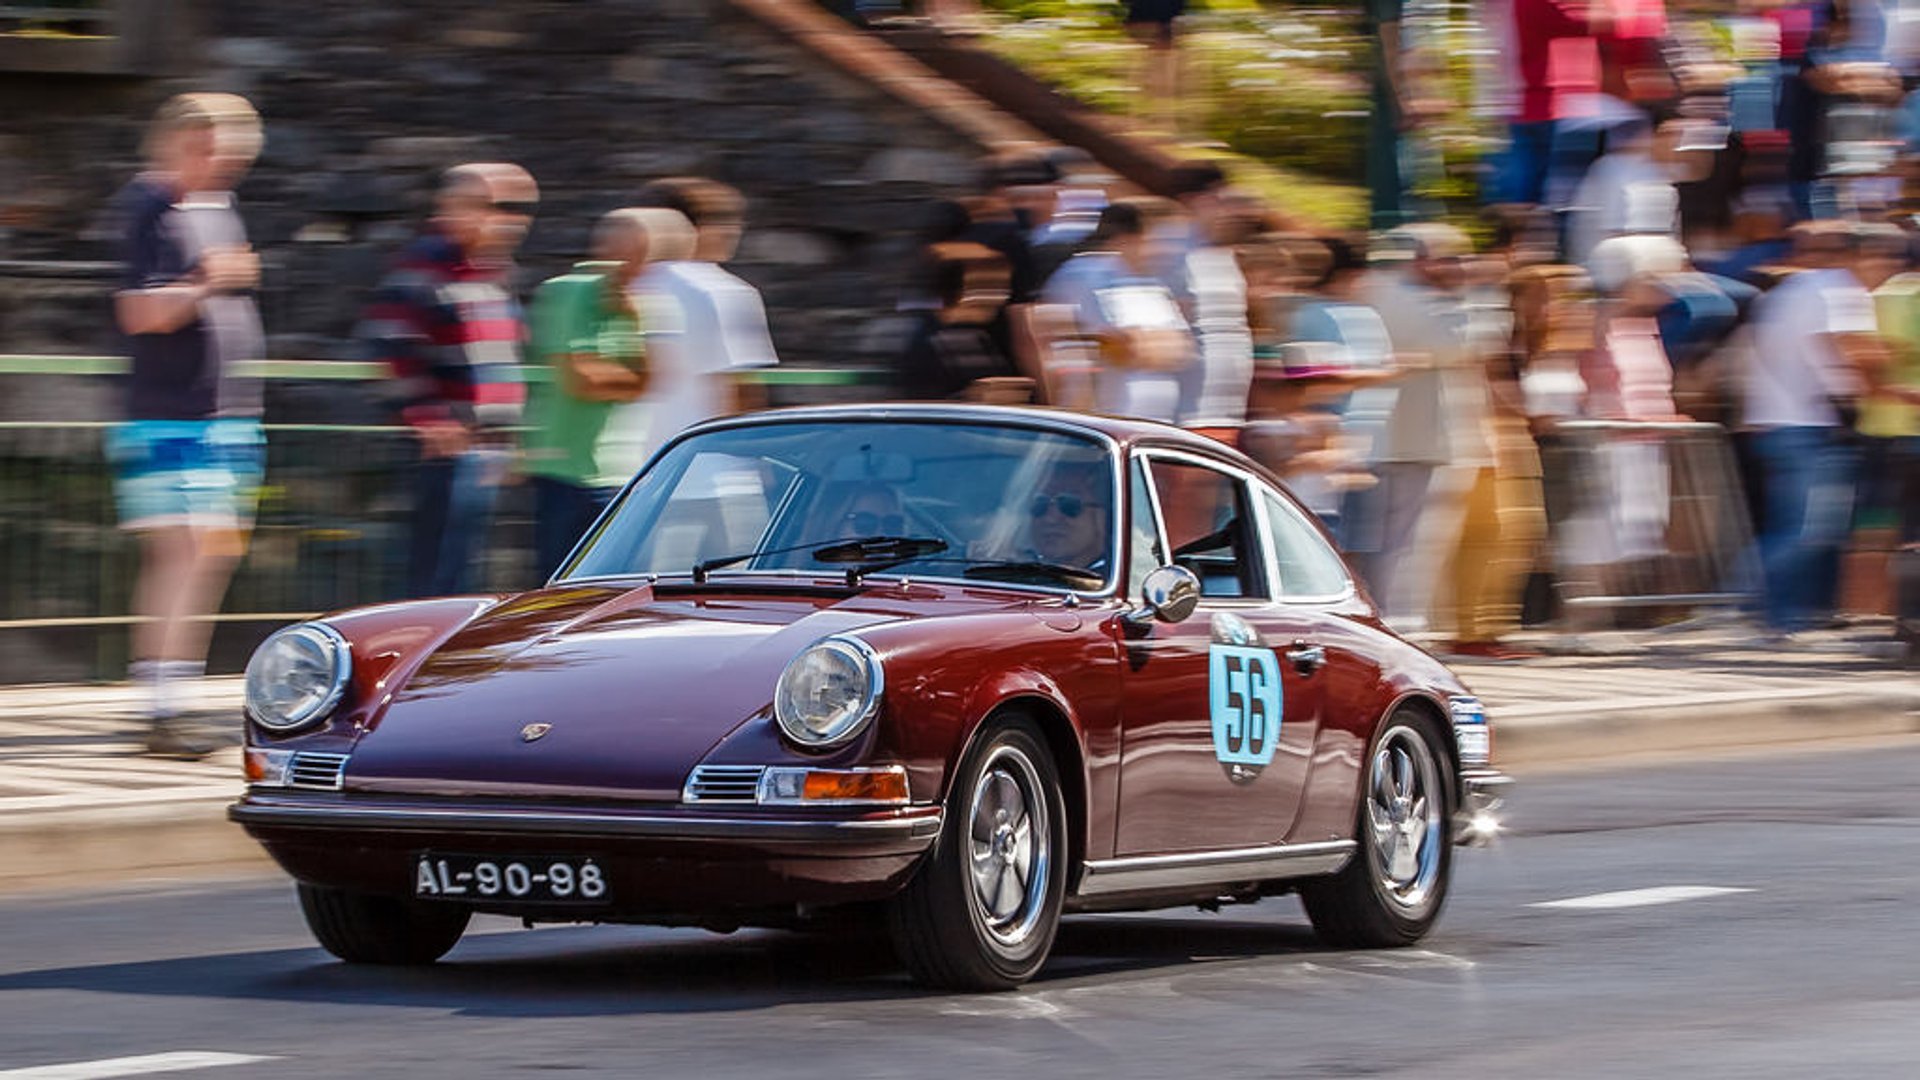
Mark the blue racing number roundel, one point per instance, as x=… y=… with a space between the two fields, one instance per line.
x=1245 y=686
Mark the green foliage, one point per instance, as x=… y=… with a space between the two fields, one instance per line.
x=1283 y=88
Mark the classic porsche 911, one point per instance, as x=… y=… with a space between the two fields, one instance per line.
x=971 y=667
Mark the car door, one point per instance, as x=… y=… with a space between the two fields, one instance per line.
x=1216 y=724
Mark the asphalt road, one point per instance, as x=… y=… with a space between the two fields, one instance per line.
x=1810 y=972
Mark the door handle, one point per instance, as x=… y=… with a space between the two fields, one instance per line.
x=1307 y=659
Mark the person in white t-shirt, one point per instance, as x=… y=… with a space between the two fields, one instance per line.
x=1801 y=384
x=704 y=326
x=1108 y=301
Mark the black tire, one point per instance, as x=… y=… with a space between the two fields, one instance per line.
x=1361 y=907
x=363 y=929
x=942 y=929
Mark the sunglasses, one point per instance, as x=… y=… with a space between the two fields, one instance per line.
x=1070 y=506
x=523 y=207
x=867 y=523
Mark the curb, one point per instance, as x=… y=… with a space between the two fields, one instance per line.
x=1543 y=736
x=177 y=837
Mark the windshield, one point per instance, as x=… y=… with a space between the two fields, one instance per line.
x=959 y=500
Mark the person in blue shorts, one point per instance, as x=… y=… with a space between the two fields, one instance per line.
x=188 y=459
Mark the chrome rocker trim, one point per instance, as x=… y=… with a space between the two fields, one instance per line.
x=918 y=824
x=1146 y=873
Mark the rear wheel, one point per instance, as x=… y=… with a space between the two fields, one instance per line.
x=1392 y=890
x=982 y=911
x=363 y=929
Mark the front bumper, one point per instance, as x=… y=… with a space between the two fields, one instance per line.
x=1483 y=792
x=659 y=859
x=915 y=826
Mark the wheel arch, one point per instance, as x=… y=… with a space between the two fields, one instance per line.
x=1069 y=763
x=1426 y=704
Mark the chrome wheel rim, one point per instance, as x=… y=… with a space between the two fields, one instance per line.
x=1009 y=847
x=1404 y=816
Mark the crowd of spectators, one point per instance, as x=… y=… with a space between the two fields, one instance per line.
x=1697 y=219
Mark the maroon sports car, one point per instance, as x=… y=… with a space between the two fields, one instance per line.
x=971 y=667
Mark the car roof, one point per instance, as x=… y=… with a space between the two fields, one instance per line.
x=1126 y=432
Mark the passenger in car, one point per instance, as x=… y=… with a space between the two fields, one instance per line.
x=1068 y=518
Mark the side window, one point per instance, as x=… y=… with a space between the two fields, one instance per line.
x=1209 y=528
x=1143 y=541
x=1308 y=567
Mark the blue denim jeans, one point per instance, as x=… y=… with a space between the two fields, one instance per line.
x=1809 y=475
x=452 y=511
x=562 y=513
x=1520 y=174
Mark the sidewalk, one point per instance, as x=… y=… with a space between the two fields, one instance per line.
x=79 y=798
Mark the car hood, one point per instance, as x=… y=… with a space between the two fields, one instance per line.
x=635 y=686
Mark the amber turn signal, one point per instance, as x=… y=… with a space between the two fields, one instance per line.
x=878 y=786
x=888 y=785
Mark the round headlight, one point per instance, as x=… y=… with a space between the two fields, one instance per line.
x=828 y=692
x=297 y=676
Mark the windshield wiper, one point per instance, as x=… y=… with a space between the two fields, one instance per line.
x=870 y=552
x=1018 y=569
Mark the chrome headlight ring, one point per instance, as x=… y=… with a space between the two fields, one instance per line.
x=297 y=676
x=829 y=693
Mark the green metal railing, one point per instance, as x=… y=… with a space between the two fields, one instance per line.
x=330 y=533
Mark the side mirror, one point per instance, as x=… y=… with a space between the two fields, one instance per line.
x=1168 y=595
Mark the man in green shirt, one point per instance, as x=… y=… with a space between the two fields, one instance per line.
x=1890 y=423
x=586 y=329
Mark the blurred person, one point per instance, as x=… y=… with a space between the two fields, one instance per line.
x=1110 y=298
x=1204 y=275
x=706 y=328
x=189 y=458
x=1521 y=175
x=1437 y=440
x=447 y=326
x=1019 y=199
x=1079 y=194
x=1363 y=350
x=586 y=329
x=1814 y=335
x=1294 y=428
x=1890 y=425
x=952 y=352
x=1630 y=189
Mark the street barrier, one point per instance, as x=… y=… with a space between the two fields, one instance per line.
x=1645 y=515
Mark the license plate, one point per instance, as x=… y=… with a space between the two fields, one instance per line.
x=534 y=879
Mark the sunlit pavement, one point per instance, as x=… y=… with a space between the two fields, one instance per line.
x=1731 y=918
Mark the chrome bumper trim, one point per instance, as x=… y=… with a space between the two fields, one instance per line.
x=919 y=824
x=1482 y=793
x=1150 y=872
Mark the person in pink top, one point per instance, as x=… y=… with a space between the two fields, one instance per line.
x=1537 y=25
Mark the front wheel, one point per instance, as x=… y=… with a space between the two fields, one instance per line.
x=982 y=911
x=363 y=929
x=1392 y=890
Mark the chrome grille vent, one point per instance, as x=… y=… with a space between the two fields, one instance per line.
x=724 y=783
x=321 y=771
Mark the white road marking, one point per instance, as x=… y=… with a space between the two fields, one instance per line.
x=1662 y=894
x=179 y=1061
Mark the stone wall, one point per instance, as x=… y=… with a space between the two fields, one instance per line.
x=364 y=103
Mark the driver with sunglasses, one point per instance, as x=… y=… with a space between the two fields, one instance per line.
x=1067 y=521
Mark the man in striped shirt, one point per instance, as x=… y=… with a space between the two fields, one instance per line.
x=447 y=325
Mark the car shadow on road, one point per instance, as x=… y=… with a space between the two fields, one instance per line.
x=601 y=971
